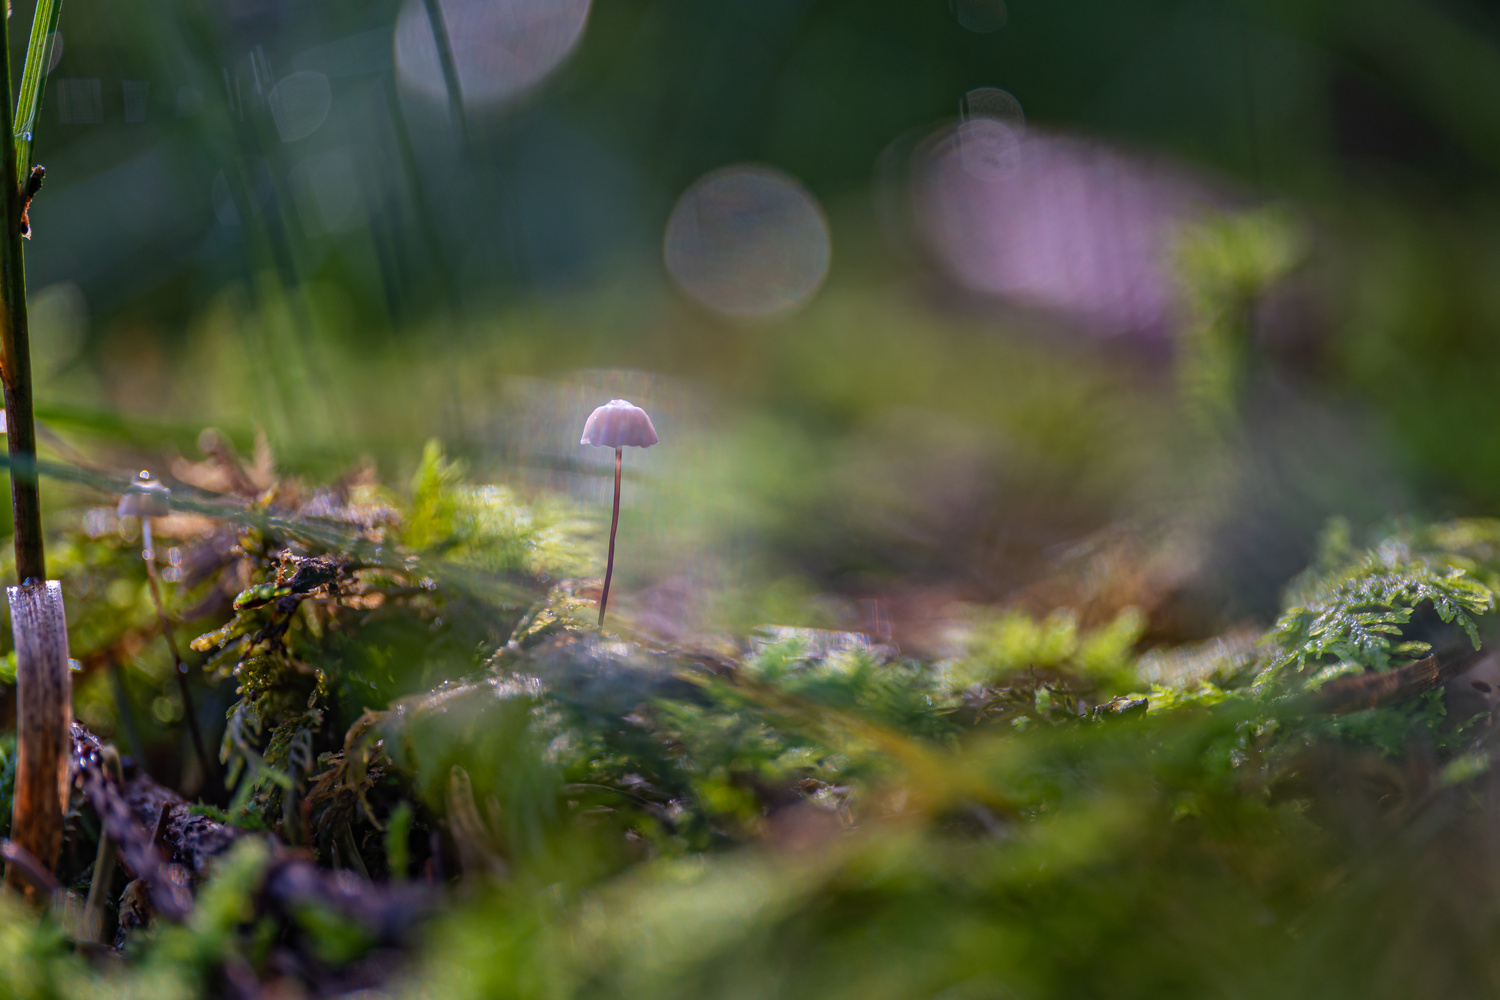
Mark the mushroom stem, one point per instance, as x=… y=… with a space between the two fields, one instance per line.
x=148 y=553
x=614 y=522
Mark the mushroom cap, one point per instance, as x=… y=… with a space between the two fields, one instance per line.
x=619 y=424
x=146 y=497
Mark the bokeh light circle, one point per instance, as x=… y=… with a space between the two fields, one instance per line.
x=982 y=16
x=989 y=149
x=500 y=47
x=993 y=102
x=749 y=242
x=299 y=104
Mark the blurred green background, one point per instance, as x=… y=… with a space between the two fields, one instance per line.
x=1097 y=311
x=300 y=218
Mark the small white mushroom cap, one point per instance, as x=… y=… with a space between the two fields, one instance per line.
x=146 y=497
x=619 y=424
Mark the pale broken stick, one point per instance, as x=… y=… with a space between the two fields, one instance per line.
x=44 y=716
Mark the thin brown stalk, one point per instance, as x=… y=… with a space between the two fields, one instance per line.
x=15 y=349
x=614 y=522
x=178 y=667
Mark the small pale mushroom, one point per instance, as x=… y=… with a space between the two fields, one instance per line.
x=619 y=425
x=146 y=498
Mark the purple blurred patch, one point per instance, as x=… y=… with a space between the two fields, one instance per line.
x=1059 y=223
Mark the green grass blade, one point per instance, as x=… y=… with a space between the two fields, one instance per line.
x=33 y=78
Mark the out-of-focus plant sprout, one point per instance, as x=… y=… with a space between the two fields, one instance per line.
x=1225 y=264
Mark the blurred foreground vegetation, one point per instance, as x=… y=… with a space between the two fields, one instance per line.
x=1048 y=812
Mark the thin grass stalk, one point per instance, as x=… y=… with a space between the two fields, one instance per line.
x=43 y=683
x=33 y=79
x=124 y=713
x=15 y=337
x=444 y=43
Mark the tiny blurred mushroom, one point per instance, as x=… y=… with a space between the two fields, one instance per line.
x=148 y=498
x=145 y=498
x=617 y=424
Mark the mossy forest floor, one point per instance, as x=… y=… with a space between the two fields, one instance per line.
x=438 y=778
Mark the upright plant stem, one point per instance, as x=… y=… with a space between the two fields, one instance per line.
x=33 y=78
x=178 y=667
x=15 y=348
x=124 y=713
x=614 y=522
x=44 y=705
x=444 y=43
